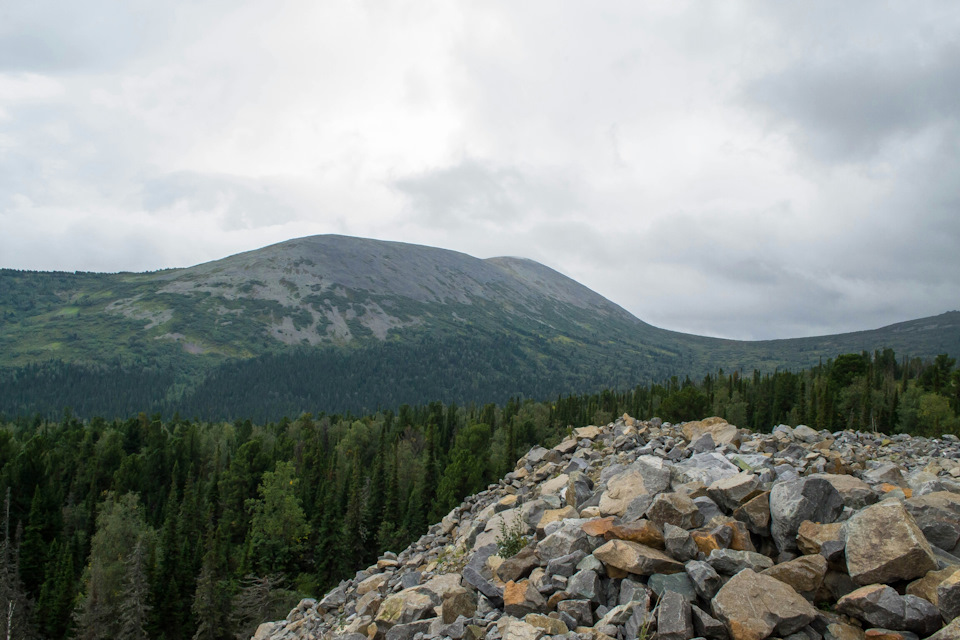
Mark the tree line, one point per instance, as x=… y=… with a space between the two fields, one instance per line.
x=175 y=528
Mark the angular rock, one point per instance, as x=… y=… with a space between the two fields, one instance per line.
x=636 y=558
x=598 y=526
x=755 y=513
x=569 y=538
x=521 y=598
x=550 y=626
x=585 y=585
x=938 y=516
x=642 y=531
x=920 y=616
x=949 y=632
x=676 y=509
x=579 y=490
x=706 y=581
x=811 y=536
x=805 y=574
x=732 y=492
x=792 y=502
x=679 y=544
x=729 y=562
x=877 y=604
x=705 y=467
x=408 y=630
x=555 y=515
x=854 y=492
x=884 y=544
x=754 y=606
x=519 y=566
x=706 y=626
x=673 y=618
x=661 y=583
x=462 y=603
x=372 y=583
x=719 y=429
x=926 y=587
x=948 y=597
x=579 y=610
x=511 y=628
x=645 y=477
x=407 y=606
x=632 y=590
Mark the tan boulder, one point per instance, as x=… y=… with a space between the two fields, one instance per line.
x=642 y=531
x=719 y=429
x=373 y=583
x=884 y=545
x=521 y=598
x=589 y=433
x=754 y=606
x=926 y=587
x=598 y=526
x=555 y=515
x=805 y=574
x=636 y=558
x=621 y=491
x=407 y=606
x=812 y=535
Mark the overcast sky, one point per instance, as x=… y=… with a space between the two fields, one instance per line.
x=737 y=169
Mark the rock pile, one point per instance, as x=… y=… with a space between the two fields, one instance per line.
x=652 y=530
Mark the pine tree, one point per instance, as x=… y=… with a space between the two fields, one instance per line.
x=16 y=608
x=56 y=596
x=135 y=606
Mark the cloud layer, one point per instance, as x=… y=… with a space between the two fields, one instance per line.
x=739 y=169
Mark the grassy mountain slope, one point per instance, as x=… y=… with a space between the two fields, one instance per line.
x=335 y=323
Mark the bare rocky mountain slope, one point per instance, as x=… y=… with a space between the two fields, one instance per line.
x=653 y=530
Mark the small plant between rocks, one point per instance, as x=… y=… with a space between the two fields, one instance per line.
x=511 y=539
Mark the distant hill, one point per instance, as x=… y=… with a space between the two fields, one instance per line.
x=334 y=323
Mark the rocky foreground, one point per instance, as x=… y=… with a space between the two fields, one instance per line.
x=650 y=530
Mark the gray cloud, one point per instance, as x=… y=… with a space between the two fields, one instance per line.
x=739 y=169
x=472 y=191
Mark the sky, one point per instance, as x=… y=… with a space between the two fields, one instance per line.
x=747 y=170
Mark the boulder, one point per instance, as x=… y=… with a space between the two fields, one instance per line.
x=704 y=467
x=948 y=597
x=811 y=536
x=805 y=574
x=674 y=620
x=792 y=502
x=521 y=598
x=511 y=628
x=706 y=581
x=854 y=492
x=884 y=545
x=642 y=531
x=877 y=604
x=407 y=606
x=926 y=587
x=719 y=429
x=730 y=562
x=755 y=513
x=676 y=509
x=938 y=516
x=754 y=606
x=636 y=558
x=732 y=492
x=679 y=543
x=518 y=566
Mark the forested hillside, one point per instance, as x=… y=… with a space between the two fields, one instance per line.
x=340 y=324
x=183 y=529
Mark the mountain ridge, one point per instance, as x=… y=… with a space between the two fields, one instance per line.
x=441 y=322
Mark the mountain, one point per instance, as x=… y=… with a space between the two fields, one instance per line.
x=336 y=323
